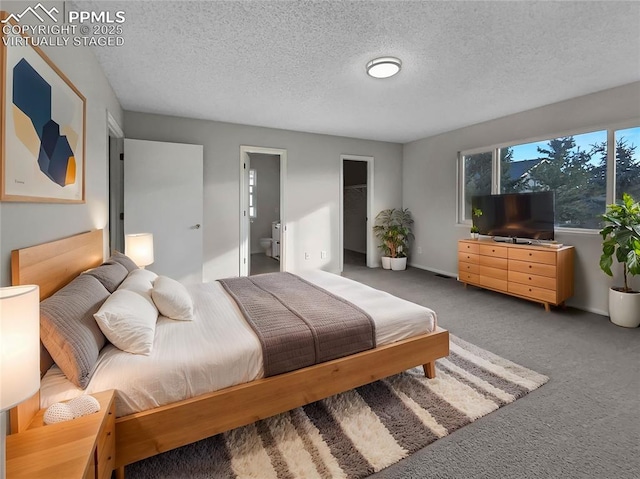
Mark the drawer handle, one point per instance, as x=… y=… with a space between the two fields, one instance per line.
x=530 y=254
x=529 y=289
x=530 y=266
x=529 y=278
x=493 y=251
x=110 y=413
x=109 y=434
x=109 y=458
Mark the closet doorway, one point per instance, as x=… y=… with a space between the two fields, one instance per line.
x=262 y=206
x=356 y=199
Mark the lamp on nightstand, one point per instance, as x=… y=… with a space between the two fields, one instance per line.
x=139 y=247
x=19 y=352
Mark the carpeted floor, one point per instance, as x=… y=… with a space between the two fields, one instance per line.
x=584 y=423
x=356 y=433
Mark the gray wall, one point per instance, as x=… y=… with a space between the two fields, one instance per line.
x=430 y=181
x=312 y=185
x=27 y=224
x=267 y=199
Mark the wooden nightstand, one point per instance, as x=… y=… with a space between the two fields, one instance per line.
x=83 y=448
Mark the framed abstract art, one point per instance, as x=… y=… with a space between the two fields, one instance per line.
x=42 y=126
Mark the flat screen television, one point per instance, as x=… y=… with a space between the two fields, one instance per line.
x=516 y=215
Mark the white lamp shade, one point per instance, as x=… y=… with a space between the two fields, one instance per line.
x=19 y=344
x=139 y=247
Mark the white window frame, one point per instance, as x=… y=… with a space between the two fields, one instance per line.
x=495 y=167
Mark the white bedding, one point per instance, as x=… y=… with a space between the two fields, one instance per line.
x=218 y=349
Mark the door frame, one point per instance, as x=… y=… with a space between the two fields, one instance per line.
x=245 y=240
x=371 y=248
x=115 y=189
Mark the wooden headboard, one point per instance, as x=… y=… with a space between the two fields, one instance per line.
x=51 y=266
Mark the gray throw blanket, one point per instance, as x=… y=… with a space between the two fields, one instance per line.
x=298 y=323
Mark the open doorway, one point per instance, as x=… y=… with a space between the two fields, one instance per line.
x=116 y=185
x=355 y=208
x=262 y=225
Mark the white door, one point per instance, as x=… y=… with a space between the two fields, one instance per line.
x=163 y=195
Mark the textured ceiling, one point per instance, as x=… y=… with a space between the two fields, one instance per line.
x=301 y=65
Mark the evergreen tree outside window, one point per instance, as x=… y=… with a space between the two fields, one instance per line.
x=575 y=167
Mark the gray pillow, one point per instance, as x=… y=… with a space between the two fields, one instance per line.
x=124 y=260
x=110 y=274
x=68 y=329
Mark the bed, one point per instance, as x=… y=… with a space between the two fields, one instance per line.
x=146 y=430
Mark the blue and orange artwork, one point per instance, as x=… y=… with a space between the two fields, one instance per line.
x=36 y=129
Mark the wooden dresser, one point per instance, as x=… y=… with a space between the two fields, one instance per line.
x=536 y=273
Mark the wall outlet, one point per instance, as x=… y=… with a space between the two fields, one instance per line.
x=419 y=249
x=307 y=256
x=323 y=255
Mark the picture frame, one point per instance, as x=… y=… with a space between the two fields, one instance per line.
x=42 y=125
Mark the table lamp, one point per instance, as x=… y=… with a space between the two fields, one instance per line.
x=139 y=247
x=19 y=352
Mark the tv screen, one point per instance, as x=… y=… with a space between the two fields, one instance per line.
x=516 y=215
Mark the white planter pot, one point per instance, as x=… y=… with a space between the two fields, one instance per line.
x=624 y=308
x=474 y=235
x=398 y=264
x=386 y=262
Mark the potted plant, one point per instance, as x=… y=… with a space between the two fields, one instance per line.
x=621 y=237
x=393 y=229
x=475 y=231
x=381 y=230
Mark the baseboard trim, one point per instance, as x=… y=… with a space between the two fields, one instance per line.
x=434 y=270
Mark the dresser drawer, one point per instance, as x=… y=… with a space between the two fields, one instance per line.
x=468 y=268
x=468 y=247
x=532 y=279
x=469 y=278
x=493 y=283
x=533 y=292
x=540 y=269
x=496 y=273
x=493 y=250
x=468 y=257
x=533 y=255
x=493 y=262
x=106 y=445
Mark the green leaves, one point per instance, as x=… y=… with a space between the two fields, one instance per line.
x=393 y=228
x=621 y=237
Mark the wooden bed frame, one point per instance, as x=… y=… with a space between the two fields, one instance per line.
x=145 y=434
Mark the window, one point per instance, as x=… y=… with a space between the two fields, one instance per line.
x=253 y=185
x=575 y=167
x=627 y=162
x=477 y=178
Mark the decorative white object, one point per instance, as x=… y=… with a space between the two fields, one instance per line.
x=399 y=264
x=386 y=262
x=83 y=405
x=139 y=247
x=58 y=412
x=19 y=352
x=77 y=407
x=384 y=67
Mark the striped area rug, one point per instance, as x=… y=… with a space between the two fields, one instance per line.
x=359 y=432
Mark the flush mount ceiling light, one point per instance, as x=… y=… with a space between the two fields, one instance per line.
x=384 y=67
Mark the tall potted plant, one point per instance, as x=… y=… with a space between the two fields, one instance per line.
x=621 y=237
x=393 y=229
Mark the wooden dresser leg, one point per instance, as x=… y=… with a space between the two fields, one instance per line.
x=430 y=369
x=546 y=307
x=120 y=473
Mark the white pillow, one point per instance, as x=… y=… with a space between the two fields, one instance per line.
x=172 y=299
x=128 y=320
x=139 y=280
